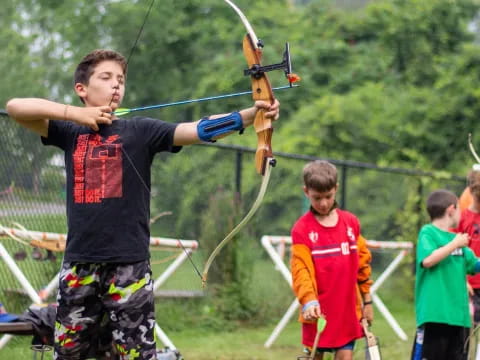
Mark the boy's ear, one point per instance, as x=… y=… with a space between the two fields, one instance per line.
x=305 y=190
x=80 y=90
x=451 y=209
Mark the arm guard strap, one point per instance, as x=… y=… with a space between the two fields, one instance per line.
x=211 y=128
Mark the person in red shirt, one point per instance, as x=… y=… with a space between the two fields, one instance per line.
x=465 y=199
x=470 y=224
x=330 y=267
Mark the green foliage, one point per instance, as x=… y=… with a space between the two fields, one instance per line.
x=230 y=275
x=220 y=216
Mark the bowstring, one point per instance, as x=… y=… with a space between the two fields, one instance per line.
x=132 y=50
x=140 y=31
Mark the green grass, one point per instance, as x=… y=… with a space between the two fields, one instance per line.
x=197 y=329
x=248 y=343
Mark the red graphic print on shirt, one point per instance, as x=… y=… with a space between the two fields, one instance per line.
x=97 y=169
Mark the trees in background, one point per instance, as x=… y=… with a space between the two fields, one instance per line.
x=392 y=83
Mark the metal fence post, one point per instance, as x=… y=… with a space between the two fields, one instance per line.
x=238 y=174
x=343 y=201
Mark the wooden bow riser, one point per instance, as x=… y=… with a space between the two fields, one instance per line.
x=261 y=90
x=264 y=141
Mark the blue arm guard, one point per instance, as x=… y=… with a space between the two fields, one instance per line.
x=211 y=128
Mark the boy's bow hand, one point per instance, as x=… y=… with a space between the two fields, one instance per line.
x=272 y=111
x=91 y=116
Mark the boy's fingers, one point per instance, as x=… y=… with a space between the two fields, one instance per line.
x=266 y=105
x=273 y=114
x=106 y=109
x=260 y=104
x=104 y=120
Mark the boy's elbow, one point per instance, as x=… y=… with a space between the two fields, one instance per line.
x=13 y=107
x=427 y=264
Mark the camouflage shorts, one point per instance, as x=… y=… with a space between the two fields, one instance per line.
x=103 y=309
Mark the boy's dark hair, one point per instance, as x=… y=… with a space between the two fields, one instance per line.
x=320 y=175
x=438 y=202
x=473 y=179
x=86 y=67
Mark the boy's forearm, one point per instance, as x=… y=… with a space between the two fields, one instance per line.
x=188 y=133
x=367 y=297
x=439 y=254
x=34 y=109
x=248 y=116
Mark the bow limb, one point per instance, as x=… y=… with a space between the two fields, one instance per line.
x=241 y=224
x=472 y=149
x=245 y=21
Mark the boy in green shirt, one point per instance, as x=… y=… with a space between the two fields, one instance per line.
x=441 y=298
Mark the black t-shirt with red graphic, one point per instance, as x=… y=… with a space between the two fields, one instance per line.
x=108 y=205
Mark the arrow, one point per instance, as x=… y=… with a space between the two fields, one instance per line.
x=125 y=111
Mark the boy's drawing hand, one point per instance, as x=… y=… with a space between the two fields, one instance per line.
x=461 y=240
x=91 y=116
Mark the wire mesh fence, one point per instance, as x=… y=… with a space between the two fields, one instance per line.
x=32 y=195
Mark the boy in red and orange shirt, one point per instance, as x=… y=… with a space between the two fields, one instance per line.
x=470 y=223
x=330 y=267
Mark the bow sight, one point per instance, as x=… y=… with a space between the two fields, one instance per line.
x=258 y=70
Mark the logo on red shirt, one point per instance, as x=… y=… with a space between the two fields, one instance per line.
x=313 y=236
